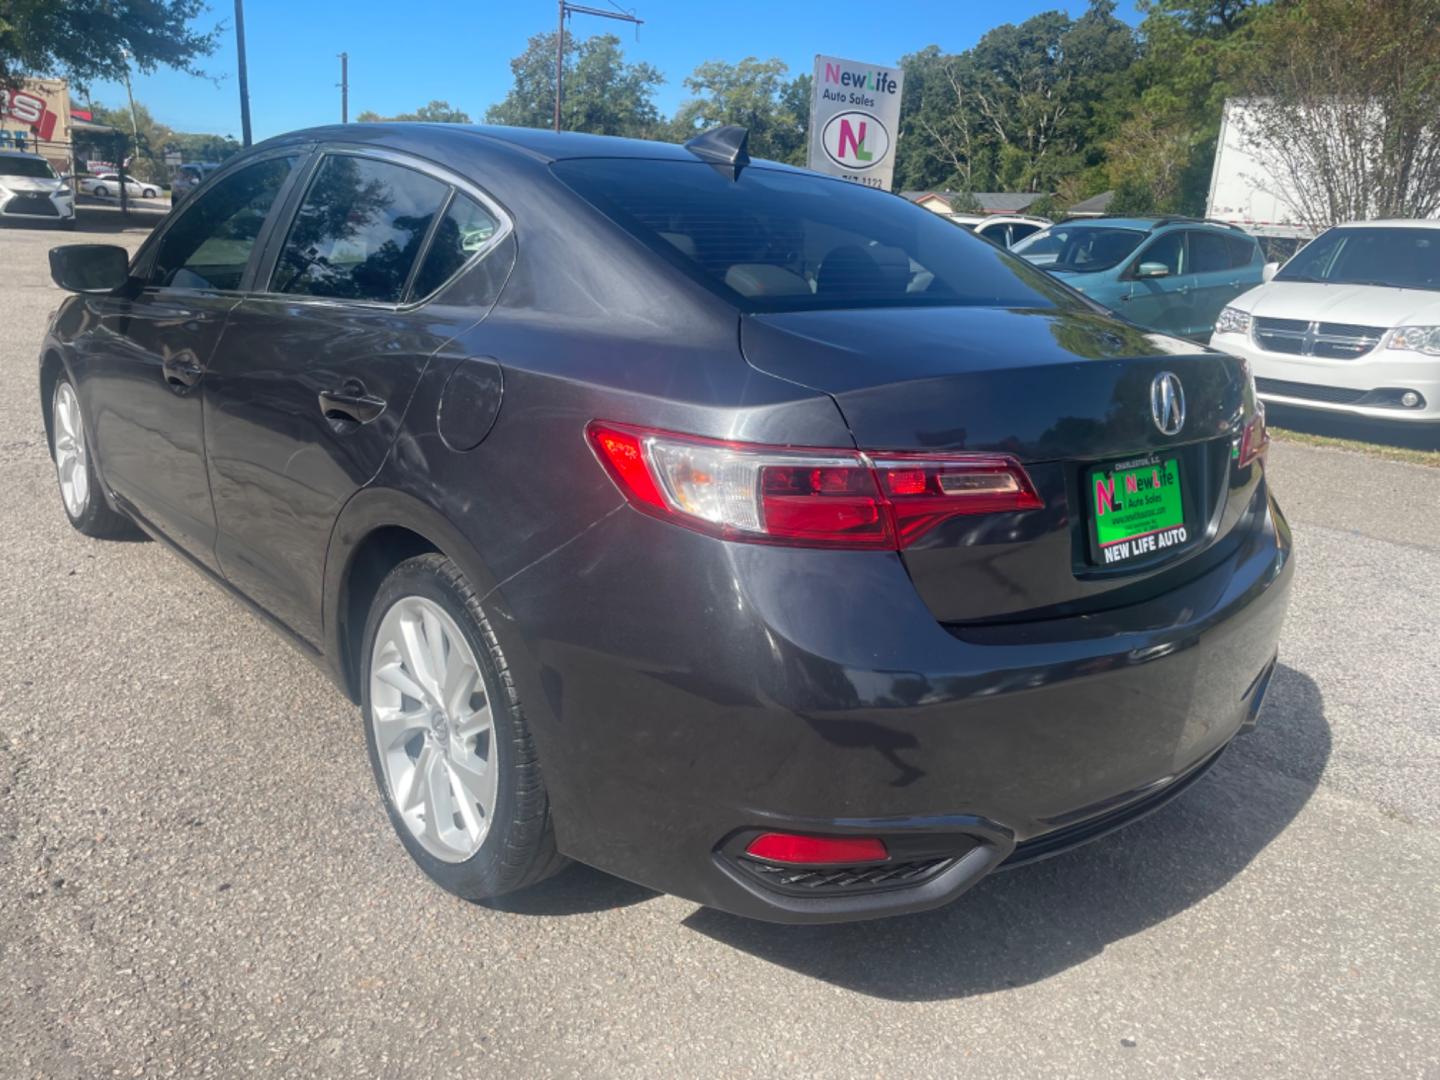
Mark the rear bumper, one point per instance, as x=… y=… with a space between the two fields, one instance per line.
x=686 y=693
x=1365 y=386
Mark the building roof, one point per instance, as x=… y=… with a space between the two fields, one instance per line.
x=1096 y=204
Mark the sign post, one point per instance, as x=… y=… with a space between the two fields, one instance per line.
x=855 y=121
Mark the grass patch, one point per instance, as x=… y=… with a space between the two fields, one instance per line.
x=1414 y=456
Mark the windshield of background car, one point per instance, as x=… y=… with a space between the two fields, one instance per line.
x=774 y=240
x=1082 y=249
x=1397 y=258
x=35 y=168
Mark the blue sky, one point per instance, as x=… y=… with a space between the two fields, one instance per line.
x=405 y=54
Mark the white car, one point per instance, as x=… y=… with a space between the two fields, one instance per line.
x=1007 y=230
x=107 y=185
x=30 y=190
x=1350 y=324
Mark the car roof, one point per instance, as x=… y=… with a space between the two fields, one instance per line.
x=1158 y=223
x=22 y=154
x=1393 y=223
x=544 y=145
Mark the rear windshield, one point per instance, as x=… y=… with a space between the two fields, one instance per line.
x=776 y=240
x=1397 y=258
x=33 y=167
x=1082 y=249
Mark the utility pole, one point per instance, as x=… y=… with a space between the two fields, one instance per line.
x=567 y=8
x=120 y=170
x=344 y=87
x=244 y=77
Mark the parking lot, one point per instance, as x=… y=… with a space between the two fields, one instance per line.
x=197 y=877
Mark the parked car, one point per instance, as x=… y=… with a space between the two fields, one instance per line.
x=107 y=185
x=187 y=179
x=745 y=532
x=30 y=190
x=1168 y=274
x=1351 y=324
x=1007 y=230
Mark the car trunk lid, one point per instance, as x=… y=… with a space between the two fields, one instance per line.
x=1067 y=394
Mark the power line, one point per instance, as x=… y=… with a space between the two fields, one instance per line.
x=567 y=8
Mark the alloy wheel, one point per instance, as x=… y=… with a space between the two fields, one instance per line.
x=71 y=460
x=431 y=718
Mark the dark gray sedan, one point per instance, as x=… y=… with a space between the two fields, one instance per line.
x=746 y=533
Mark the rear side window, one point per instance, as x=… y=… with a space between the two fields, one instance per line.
x=1242 y=250
x=462 y=233
x=1209 y=253
x=209 y=245
x=358 y=231
x=777 y=240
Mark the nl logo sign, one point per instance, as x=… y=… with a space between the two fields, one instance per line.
x=854 y=117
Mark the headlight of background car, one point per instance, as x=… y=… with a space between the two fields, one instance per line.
x=1233 y=321
x=1421 y=339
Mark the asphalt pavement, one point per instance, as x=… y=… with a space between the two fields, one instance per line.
x=197 y=878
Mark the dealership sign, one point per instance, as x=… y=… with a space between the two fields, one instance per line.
x=855 y=120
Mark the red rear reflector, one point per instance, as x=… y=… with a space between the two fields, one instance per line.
x=792 y=848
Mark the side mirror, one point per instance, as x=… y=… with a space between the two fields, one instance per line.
x=89 y=268
x=1271 y=269
x=1151 y=270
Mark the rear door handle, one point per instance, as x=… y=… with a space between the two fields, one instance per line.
x=351 y=402
x=182 y=372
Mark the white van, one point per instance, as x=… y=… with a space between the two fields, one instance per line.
x=1350 y=324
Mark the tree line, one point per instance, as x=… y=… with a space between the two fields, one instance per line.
x=1060 y=106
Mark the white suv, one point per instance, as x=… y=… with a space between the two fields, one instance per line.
x=30 y=190
x=1350 y=324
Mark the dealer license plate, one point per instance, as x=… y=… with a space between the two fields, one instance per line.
x=1136 y=510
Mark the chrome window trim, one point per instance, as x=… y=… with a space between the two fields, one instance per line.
x=453 y=180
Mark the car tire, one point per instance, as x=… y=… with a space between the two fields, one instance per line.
x=148 y=193
x=427 y=633
x=80 y=492
x=101 y=191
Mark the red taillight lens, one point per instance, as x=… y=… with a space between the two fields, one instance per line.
x=1255 y=439
x=924 y=491
x=832 y=504
x=793 y=848
x=812 y=497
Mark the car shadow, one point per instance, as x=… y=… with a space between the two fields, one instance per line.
x=1025 y=925
x=576 y=890
x=1406 y=436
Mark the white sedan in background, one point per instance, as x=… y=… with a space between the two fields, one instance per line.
x=1350 y=324
x=107 y=185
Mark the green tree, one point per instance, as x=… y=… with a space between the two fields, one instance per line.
x=86 y=40
x=603 y=95
x=1160 y=155
x=437 y=112
x=754 y=94
x=1026 y=109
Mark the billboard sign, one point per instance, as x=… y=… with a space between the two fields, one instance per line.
x=855 y=121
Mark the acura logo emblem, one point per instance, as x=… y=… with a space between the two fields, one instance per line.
x=1167 y=403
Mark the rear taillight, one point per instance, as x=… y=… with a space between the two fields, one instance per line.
x=808 y=497
x=1255 y=439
